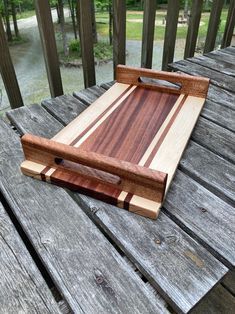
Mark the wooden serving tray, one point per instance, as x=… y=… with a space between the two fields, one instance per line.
x=123 y=149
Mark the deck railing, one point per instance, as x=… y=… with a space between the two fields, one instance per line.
x=47 y=35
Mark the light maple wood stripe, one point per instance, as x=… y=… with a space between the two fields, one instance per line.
x=172 y=148
x=161 y=130
x=68 y=134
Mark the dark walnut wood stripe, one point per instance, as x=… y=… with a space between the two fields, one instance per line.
x=74 y=142
x=43 y=173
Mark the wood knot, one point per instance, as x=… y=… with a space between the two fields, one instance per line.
x=99 y=279
x=203 y=209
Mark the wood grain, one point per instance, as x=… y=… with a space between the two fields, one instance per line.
x=22 y=288
x=134 y=179
x=195 y=86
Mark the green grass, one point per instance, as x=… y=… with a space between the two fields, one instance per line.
x=134 y=29
x=25 y=14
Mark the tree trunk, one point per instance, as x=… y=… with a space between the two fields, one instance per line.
x=62 y=25
x=7 y=18
x=13 y=9
x=110 y=22
x=71 y=7
x=58 y=13
x=94 y=31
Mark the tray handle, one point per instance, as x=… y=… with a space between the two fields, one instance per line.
x=134 y=179
x=187 y=84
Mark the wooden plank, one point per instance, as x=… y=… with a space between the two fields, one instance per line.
x=148 y=33
x=119 y=33
x=194 y=22
x=106 y=86
x=90 y=277
x=22 y=287
x=215 y=138
x=203 y=215
x=221 y=66
x=86 y=38
x=229 y=27
x=217 y=78
x=221 y=55
x=168 y=244
x=170 y=33
x=46 y=29
x=85 y=94
x=210 y=170
x=8 y=72
x=218 y=301
x=213 y=25
x=74 y=106
x=229 y=282
x=34 y=114
x=219 y=114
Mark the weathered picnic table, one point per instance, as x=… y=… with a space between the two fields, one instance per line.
x=62 y=251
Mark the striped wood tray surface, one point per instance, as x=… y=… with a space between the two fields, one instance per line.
x=137 y=121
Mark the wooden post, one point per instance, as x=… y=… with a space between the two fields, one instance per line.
x=86 y=38
x=148 y=33
x=46 y=29
x=119 y=33
x=213 y=25
x=8 y=72
x=229 y=27
x=170 y=33
x=192 y=33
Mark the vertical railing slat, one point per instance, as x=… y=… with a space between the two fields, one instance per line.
x=170 y=32
x=194 y=22
x=8 y=73
x=229 y=27
x=119 y=33
x=148 y=33
x=86 y=37
x=213 y=25
x=46 y=30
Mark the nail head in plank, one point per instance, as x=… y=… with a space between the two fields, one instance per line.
x=91 y=278
x=22 y=287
